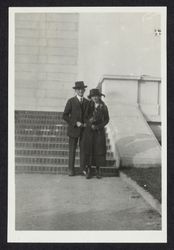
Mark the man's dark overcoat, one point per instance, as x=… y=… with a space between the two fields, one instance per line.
x=94 y=141
x=73 y=113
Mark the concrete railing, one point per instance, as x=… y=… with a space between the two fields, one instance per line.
x=111 y=134
x=145 y=91
x=131 y=138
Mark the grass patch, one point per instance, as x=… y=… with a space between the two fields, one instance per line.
x=147 y=178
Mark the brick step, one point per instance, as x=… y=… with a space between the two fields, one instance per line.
x=37 y=113
x=59 y=127
x=57 y=116
x=44 y=132
x=31 y=124
x=41 y=114
x=20 y=128
x=40 y=132
x=53 y=153
x=42 y=144
x=45 y=139
x=40 y=121
x=105 y=171
x=45 y=145
x=50 y=161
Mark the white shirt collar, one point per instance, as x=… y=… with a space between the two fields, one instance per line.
x=79 y=98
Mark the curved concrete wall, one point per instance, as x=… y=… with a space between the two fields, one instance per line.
x=131 y=135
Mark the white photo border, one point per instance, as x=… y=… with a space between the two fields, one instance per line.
x=158 y=236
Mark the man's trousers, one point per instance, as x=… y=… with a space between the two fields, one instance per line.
x=72 y=153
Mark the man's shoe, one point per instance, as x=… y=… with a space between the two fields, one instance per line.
x=98 y=174
x=71 y=173
x=99 y=177
x=84 y=172
x=88 y=175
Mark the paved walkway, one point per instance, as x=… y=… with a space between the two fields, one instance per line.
x=59 y=202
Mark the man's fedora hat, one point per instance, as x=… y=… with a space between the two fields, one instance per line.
x=95 y=92
x=79 y=85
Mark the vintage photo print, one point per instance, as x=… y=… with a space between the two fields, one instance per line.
x=87 y=124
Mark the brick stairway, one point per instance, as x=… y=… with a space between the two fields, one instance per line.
x=41 y=144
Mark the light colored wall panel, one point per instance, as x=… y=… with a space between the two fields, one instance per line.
x=25 y=17
x=65 y=43
x=55 y=85
x=132 y=90
x=150 y=109
x=27 y=92
x=46 y=55
x=33 y=84
x=61 y=76
x=149 y=92
x=61 y=26
x=65 y=17
x=135 y=142
x=31 y=41
x=61 y=34
x=24 y=50
x=63 y=60
x=58 y=51
x=30 y=24
x=30 y=76
x=124 y=91
x=30 y=33
x=45 y=68
x=118 y=44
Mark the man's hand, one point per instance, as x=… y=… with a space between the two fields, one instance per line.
x=91 y=119
x=79 y=124
x=93 y=127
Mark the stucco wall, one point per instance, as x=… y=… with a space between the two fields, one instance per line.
x=118 y=44
x=46 y=54
x=132 y=139
x=144 y=92
x=53 y=50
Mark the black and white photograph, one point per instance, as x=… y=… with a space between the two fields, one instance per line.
x=87 y=124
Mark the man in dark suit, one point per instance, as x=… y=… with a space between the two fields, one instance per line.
x=74 y=116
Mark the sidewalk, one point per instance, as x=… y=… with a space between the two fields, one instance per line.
x=60 y=202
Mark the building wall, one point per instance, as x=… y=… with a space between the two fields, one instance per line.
x=143 y=92
x=132 y=138
x=53 y=50
x=46 y=55
x=118 y=44
x=156 y=128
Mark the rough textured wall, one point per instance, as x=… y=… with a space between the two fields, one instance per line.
x=46 y=53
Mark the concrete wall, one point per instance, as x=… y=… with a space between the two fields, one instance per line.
x=118 y=44
x=46 y=55
x=132 y=138
x=156 y=128
x=142 y=91
x=53 y=50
